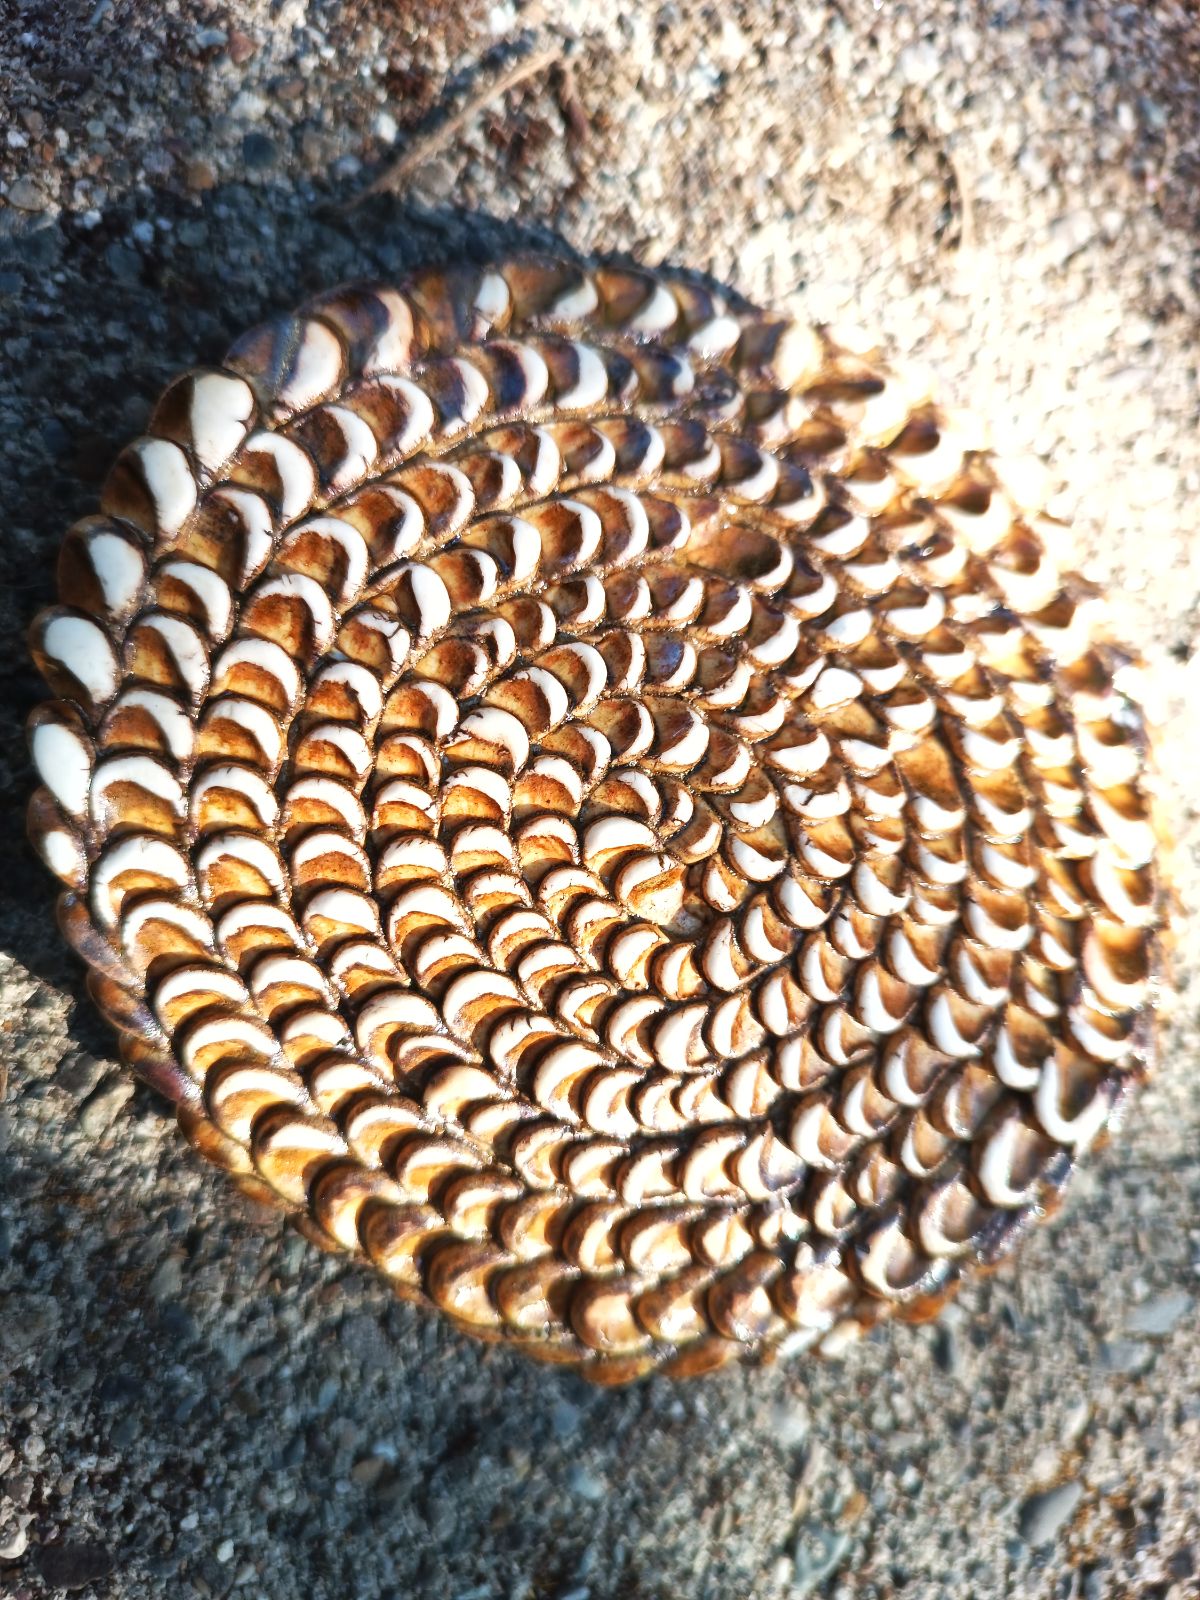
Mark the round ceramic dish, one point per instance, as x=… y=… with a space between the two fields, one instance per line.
x=600 y=801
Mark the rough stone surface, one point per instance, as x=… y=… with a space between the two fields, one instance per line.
x=190 y=1394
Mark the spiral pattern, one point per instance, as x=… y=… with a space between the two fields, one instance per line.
x=604 y=804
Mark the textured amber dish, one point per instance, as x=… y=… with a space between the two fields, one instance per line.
x=604 y=804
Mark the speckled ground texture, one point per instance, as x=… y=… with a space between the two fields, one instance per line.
x=192 y=1400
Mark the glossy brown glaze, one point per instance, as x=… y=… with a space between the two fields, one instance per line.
x=604 y=804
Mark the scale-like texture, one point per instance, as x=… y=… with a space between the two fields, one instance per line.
x=604 y=804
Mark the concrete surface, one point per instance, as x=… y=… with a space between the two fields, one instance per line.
x=192 y=1401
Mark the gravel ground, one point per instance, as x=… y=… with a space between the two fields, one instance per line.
x=192 y=1400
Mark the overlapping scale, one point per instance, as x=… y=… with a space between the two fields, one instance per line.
x=601 y=801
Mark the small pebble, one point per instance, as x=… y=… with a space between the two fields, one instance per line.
x=105 y=1106
x=1159 y=1316
x=167 y=1279
x=124 y=1433
x=124 y=263
x=25 y=195
x=258 y=151
x=585 y=1484
x=1042 y=1515
x=818 y=1554
x=1129 y=1358
x=790 y=1423
x=1075 y=1423
x=1094 y=1585
x=200 y=174
x=348 y=166
x=947 y=1350
x=1183 y=1563
x=1068 y=235
x=78 y=1072
x=13 y=1546
x=368 y=1470
x=920 y=64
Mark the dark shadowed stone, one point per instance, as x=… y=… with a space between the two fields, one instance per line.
x=72 y=1565
x=258 y=151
